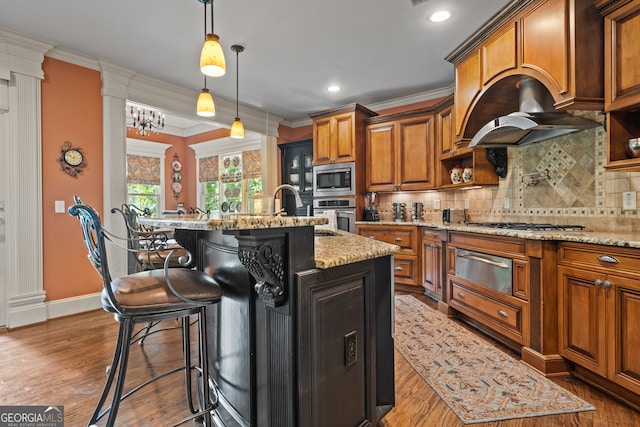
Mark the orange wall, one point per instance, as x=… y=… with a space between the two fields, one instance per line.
x=71 y=111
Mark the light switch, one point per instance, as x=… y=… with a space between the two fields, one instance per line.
x=628 y=200
x=59 y=206
x=436 y=204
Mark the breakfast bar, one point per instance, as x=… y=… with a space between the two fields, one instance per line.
x=302 y=335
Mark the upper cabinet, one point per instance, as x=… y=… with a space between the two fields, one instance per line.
x=336 y=134
x=622 y=77
x=400 y=152
x=557 y=42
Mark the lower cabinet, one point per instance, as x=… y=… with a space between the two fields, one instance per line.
x=406 y=265
x=432 y=267
x=599 y=311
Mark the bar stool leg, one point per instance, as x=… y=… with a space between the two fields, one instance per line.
x=127 y=331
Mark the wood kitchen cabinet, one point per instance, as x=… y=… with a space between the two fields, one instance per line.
x=338 y=134
x=507 y=314
x=432 y=262
x=406 y=264
x=622 y=80
x=599 y=307
x=400 y=152
x=518 y=42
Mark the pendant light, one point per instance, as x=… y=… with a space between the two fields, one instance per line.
x=212 y=61
x=237 y=128
x=205 y=106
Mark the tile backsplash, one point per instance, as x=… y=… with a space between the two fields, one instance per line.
x=577 y=189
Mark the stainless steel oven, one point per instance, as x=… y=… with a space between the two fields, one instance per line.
x=341 y=210
x=334 y=180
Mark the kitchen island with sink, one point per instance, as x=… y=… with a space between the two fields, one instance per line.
x=302 y=336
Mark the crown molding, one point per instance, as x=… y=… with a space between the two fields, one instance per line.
x=392 y=103
x=21 y=54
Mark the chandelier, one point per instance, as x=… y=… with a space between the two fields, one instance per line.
x=144 y=121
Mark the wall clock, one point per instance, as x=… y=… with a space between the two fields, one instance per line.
x=71 y=159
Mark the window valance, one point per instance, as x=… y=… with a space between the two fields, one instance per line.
x=143 y=170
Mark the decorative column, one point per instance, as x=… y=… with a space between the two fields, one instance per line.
x=115 y=80
x=21 y=192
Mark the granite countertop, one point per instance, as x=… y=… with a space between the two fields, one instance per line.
x=231 y=221
x=609 y=238
x=340 y=247
x=332 y=247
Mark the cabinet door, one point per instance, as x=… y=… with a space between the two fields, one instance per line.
x=623 y=319
x=622 y=57
x=444 y=129
x=582 y=318
x=381 y=157
x=344 y=149
x=416 y=153
x=430 y=267
x=322 y=150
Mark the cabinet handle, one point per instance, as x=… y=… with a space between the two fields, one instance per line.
x=398 y=269
x=371 y=237
x=460 y=294
x=435 y=234
x=607 y=284
x=608 y=258
x=503 y=313
x=452 y=152
x=398 y=239
x=597 y=283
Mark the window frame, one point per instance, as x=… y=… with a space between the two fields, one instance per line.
x=158 y=150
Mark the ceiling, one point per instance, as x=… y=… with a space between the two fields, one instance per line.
x=376 y=50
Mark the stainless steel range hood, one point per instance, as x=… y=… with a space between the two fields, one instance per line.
x=537 y=120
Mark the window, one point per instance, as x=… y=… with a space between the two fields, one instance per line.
x=145 y=173
x=143 y=196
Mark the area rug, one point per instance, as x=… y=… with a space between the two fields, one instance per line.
x=479 y=382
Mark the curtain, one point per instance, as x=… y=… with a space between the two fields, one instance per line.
x=143 y=170
x=208 y=169
x=252 y=164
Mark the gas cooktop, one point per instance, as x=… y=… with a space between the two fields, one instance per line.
x=526 y=226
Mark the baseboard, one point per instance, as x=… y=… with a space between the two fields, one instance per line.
x=549 y=365
x=73 y=305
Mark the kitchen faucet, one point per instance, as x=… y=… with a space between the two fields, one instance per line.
x=299 y=203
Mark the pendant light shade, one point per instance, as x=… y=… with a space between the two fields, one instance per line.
x=237 y=128
x=205 y=106
x=212 y=61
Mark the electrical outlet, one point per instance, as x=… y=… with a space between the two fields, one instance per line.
x=507 y=203
x=466 y=203
x=628 y=200
x=436 y=204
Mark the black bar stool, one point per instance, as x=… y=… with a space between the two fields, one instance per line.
x=149 y=296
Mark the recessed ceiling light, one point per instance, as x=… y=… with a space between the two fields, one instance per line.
x=334 y=88
x=439 y=16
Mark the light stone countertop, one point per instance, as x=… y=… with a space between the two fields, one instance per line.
x=341 y=248
x=608 y=238
x=231 y=222
x=331 y=247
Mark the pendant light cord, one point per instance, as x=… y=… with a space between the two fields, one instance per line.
x=237 y=81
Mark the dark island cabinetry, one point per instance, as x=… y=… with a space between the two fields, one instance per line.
x=291 y=344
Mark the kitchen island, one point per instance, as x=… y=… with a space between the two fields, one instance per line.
x=302 y=336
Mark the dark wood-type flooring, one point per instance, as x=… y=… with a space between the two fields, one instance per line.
x=62 y=362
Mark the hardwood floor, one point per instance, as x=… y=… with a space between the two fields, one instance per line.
x=62 y=362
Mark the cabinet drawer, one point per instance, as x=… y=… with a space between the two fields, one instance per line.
x=430 y=234
x=404 y=236
x=405 y=270
x=594 y=256
x=505 y=318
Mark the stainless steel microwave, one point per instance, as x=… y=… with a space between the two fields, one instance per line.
x=334 y=180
